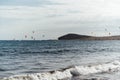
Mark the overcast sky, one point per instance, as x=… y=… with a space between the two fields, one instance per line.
x=49 y=19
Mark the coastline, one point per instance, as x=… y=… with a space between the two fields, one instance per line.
x=86 y=37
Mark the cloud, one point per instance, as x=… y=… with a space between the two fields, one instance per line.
x=27 y=2
x=20 y=12
x=82 y=9
x=61 y=16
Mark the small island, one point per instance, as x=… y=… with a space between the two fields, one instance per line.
x=86 y=37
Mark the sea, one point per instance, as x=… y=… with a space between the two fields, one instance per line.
x=60 y=60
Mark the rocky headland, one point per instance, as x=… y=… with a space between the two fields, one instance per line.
x=86 y=37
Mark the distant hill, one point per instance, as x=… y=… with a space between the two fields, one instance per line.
x=85 y=37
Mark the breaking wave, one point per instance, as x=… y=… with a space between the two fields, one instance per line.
x=71 y=72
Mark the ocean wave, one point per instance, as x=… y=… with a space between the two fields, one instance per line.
x=71 y=72
x=2 y=69
x=53 y=51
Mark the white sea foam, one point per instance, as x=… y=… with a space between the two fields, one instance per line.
x=70 y=72
x=107 y=67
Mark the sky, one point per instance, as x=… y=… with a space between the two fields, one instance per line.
x=49 y=19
